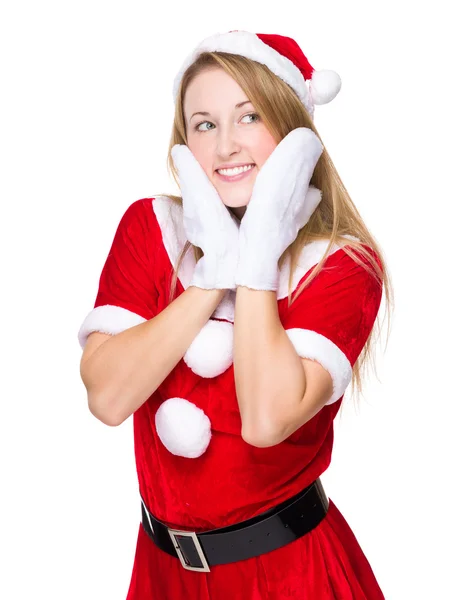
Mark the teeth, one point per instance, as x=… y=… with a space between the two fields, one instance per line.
x=235 y=171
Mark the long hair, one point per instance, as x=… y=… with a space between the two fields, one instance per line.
x=336 y=216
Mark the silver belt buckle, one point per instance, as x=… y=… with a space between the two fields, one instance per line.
x=172 y=533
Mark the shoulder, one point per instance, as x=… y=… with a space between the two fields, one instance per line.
x=348 y=249
x=156 y=223
x=319 y=250
x=348 y=261
x=140 y=217
x=139 y=209
x=138 y=232
x=363 y=258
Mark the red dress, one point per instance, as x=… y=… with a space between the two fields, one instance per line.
x=195 y=471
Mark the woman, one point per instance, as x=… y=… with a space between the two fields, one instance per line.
x=233 y=383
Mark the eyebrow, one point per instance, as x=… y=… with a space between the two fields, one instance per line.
x=206 y=114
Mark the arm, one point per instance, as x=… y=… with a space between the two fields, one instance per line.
x=327 y=325
x=270 y=378
x=122 y=371
x=126 y=369
x=277 y=390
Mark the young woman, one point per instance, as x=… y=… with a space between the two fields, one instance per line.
x=232 y=379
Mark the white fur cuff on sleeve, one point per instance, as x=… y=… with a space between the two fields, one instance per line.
x=309 y=344
x=108 y=319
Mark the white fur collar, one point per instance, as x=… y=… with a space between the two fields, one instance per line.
x=169 y=217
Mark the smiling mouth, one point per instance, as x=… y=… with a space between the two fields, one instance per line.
x=237 y=176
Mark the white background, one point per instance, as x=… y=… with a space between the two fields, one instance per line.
x=86 y=114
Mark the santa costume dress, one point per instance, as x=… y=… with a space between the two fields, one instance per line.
x=195 y=471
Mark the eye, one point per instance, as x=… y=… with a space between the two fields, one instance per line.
x=197 y=127
x=256 y=119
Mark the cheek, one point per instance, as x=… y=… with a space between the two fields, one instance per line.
x=202 y=155
x=265 y=144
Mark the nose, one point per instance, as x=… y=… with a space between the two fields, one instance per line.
x=227 y=142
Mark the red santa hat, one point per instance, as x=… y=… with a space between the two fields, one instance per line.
x=282 y=55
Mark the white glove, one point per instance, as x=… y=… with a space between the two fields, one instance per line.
x=208 y=224
x=282 y=202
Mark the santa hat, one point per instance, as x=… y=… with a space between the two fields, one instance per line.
x=282 y=55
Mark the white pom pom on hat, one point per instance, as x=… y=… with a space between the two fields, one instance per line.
x=325 y=85
x=281 y=54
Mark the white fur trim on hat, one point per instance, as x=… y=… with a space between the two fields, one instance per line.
x=248 y=44
x=309 y=344
x=211 y=352
x=108 y=319
x=184 y=429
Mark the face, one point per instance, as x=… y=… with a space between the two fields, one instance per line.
x=230 y=134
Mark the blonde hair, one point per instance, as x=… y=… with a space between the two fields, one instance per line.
x=335 y=217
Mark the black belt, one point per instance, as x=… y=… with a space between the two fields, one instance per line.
x=268 y=531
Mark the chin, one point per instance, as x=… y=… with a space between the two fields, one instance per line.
x=236 y=200
x=235 y=204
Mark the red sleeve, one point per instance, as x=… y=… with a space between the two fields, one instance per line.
x=333 y=317
x=127 y=294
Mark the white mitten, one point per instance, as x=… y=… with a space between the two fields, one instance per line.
x=281 y=204
x=208 y=224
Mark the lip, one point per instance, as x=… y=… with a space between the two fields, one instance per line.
x=233 y=165
x=237 y=177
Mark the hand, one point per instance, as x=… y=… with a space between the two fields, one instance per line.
x=208 y=224
x=281 y=204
